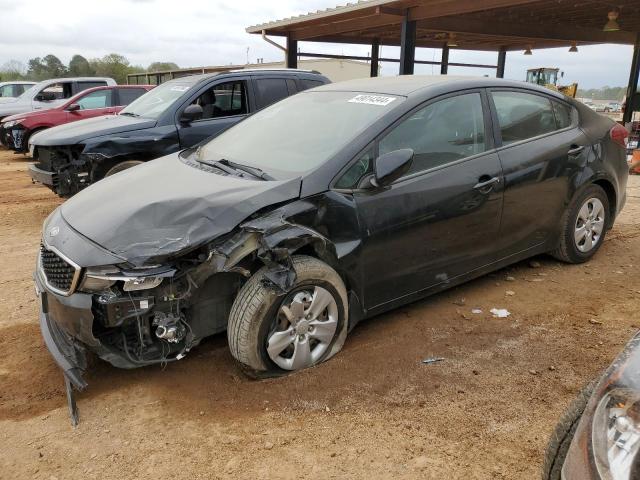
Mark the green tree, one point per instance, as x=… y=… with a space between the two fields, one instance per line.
x=115 y=66
x=47 y=67
x=79 y=67
x=162 y=66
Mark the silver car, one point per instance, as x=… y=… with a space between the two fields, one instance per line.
x=10 y=90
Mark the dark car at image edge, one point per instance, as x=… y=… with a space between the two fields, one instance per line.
x=175 y=115
x=326 y=208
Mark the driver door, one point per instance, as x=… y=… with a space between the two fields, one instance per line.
x=441 y=219
x=223 y=105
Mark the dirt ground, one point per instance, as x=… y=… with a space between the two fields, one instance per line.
x=374 y=411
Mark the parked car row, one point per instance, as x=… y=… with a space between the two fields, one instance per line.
x=16 y=130
x=175 y=115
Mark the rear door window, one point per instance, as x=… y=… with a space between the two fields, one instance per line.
x=128 y=95
x=270 y=90
x=97 y=99
x=523 y=115
x=224 y=100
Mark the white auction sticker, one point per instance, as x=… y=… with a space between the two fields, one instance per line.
x=372 y=100
x=179 y=88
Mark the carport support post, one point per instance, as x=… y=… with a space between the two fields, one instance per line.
x=292 y=51
x=375 y=55
x=407 y=46
x=502 y=60
x=633 y=82
x=444 y=64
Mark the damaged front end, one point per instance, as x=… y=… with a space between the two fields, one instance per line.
x=63 y=169
x=133 y=315
x=12 y=135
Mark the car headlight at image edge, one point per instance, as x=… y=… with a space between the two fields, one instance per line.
x=96 y=282
x=616 y=435
x=10 y=124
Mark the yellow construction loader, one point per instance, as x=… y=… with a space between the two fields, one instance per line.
x=548 y=77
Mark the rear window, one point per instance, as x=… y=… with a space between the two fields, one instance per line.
x=128 y=95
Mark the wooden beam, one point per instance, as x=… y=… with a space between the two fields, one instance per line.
x=499 y=28
x=502 y=60
x=632 y=88
x=407 y=46
x=459 y=7
x=375 y=55
x=292 y=52
x=390 y=11
x=444 y=65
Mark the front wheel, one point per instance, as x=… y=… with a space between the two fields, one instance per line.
x=119 y=167
x=272 y=333
x=584 y=226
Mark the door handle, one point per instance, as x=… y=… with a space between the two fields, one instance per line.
x=485 y=186
x=575 y=149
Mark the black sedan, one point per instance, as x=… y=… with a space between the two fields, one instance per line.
x=329 y=207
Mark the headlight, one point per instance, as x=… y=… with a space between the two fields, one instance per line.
x=141 y=283
x=616 y=435
x=12 y=123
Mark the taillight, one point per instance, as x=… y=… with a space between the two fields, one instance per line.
x=619 y=134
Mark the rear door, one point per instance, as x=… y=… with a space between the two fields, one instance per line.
x=442 y=218
x=542 y=151
x=224 y=103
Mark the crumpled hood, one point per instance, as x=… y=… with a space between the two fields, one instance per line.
x=75 y=132
x=166 y=206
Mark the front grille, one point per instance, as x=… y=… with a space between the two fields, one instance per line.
x=60 y=274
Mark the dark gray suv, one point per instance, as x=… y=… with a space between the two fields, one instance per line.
x=175 y=115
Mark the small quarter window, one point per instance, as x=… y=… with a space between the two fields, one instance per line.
x=563 y=113
x=356 y=173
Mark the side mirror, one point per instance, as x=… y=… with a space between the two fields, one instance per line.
x=46 y=96
x=73 y=107
x=191 y=114
x=391 y=166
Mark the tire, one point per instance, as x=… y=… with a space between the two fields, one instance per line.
x=119 y=167
x=562 y=435
x=568 y=249
x=256 y=318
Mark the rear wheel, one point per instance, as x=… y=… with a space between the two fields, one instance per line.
x=584 y=226
x=119 y=167
x=272 y=333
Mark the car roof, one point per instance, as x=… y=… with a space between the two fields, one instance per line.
x=193 y=79
x=407 y=85
x=18 y=82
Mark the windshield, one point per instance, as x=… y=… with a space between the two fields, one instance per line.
x=299 y=133
x=156 y=101
x=30 y=91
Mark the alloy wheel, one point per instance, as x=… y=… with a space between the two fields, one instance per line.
x=589 y=225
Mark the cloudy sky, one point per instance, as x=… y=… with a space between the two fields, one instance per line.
x=212 y=32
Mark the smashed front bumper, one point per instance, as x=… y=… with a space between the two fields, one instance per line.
x=41 y=176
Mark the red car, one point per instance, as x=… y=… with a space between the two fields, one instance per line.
x=15 y=130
